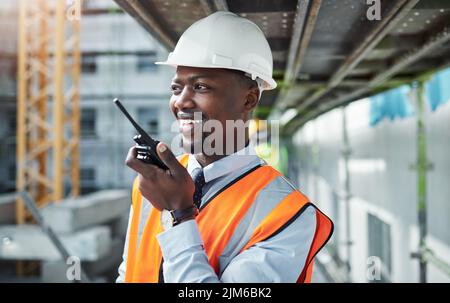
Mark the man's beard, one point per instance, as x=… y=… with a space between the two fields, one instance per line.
x=211 y=138
x=194 y=145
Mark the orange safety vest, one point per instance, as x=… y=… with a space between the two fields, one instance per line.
x=225 y=209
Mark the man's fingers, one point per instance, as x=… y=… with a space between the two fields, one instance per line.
x=166 y=155
x=131 y=160
x=146 y=190
x=146 y=170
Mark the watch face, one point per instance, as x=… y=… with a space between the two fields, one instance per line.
x=166 y=219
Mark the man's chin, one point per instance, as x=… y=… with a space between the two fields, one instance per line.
x=191 y=147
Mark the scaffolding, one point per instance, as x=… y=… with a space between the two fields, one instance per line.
x=48 y=114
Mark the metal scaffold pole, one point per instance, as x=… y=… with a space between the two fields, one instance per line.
x=422 y=166
x=346 y=152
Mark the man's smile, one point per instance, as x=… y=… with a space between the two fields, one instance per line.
x=190 y=122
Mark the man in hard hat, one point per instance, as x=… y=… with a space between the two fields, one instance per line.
x=225 y=216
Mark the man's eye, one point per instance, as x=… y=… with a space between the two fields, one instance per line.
x=200 y=87
x=175 y=89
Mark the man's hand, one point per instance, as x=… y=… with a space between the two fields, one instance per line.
x=165 y=189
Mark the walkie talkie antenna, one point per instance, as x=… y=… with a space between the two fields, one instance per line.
x=146 y=145
x=124 y=111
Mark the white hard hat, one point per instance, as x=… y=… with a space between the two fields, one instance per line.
x=225 y=40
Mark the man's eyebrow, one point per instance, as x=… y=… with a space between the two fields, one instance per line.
x=195 y=77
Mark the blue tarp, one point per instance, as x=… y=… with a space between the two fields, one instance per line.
x=438 y=89
x=395 y=103
x=391 y=104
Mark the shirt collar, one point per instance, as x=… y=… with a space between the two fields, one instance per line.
x=226 y=164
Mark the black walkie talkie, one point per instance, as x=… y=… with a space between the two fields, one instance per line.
x=146 y=146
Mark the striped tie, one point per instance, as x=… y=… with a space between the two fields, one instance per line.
x=199 y=181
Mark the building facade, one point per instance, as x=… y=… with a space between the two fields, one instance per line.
x=117 y=62
x=379 y=181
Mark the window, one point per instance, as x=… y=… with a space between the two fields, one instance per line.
x=87 y=180
x=146 y=62
x=87 y=175
x=87 y=126
x=12 y=172
x=88 y=64
x=380 y=244
x=12 y=123
x=148 y=119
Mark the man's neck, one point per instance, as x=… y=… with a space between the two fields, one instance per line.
x=205 y=160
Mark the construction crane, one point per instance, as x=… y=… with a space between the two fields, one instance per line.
x=48 y=114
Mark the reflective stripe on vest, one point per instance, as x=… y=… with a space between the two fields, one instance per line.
x=264 y=203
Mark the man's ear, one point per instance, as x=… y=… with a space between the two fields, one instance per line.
x=252 y=99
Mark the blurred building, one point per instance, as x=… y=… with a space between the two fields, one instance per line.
x=374 y=170
x=117 y=61
x=8 y=63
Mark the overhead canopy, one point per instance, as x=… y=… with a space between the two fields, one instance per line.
x=326 y=53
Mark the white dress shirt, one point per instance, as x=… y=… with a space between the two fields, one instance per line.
x=277 y=259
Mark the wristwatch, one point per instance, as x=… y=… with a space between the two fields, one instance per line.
x=170 y=218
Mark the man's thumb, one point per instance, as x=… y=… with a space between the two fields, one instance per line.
x=166 y=155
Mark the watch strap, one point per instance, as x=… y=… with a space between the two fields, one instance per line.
x=181 y=214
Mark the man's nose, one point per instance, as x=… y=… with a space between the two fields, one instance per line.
x=185 y=99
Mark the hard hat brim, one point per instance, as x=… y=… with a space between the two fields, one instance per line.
x=269 y=83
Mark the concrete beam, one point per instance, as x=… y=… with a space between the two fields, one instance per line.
x=144 y=17
x=304 y=24
x=400 y=10
x=29 y=242
x=221 y=5
x=329 y=104
x=400 y=42
x=55 y=271
x=77 y=213
x=433 y=4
